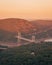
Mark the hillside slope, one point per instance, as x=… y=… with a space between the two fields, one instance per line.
x=32 y=54
x=15 y=25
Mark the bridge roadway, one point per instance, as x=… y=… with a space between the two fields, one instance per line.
x=29 y=40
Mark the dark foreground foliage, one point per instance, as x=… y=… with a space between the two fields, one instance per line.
x=31 y=54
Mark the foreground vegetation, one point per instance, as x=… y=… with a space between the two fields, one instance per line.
x=31 y=54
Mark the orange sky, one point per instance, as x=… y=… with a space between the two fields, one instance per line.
x=28 y=9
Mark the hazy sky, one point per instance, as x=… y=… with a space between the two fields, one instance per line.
x=29 y=9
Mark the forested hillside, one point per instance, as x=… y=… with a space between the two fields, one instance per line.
x=31 y=54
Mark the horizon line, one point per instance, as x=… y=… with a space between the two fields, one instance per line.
x=24 y=18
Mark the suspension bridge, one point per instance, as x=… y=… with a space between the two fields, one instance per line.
x=19 y=38
x=32 y=40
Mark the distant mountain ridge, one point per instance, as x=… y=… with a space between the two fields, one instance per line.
x=22 y=25
x=42 y=24
x=15 y=25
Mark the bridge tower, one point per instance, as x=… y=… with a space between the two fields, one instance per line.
x=33 y=39
x=19 y=35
